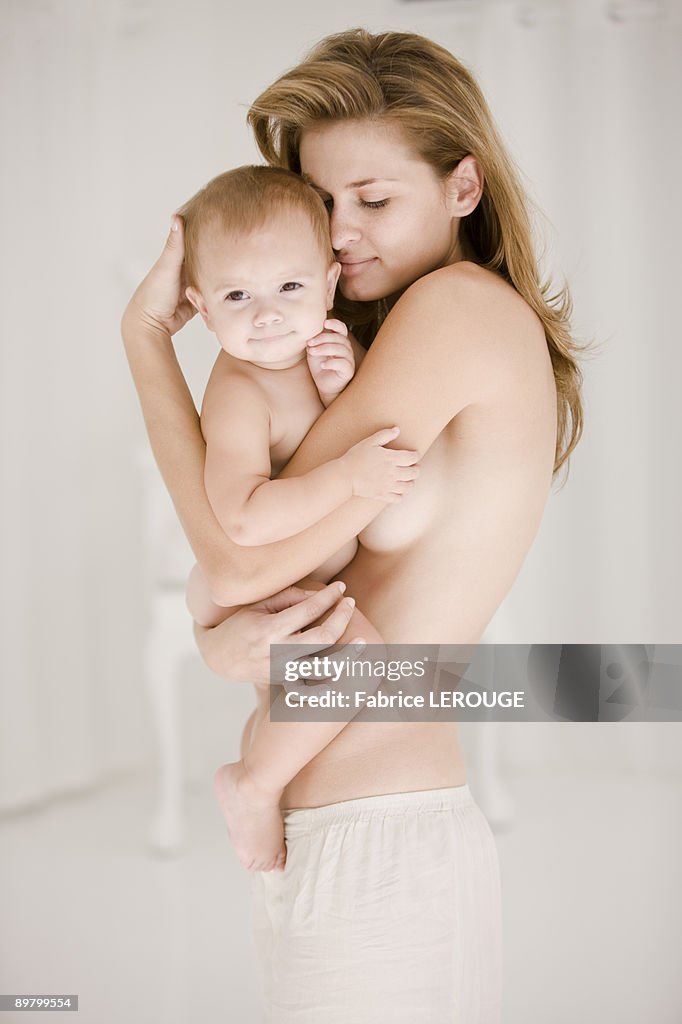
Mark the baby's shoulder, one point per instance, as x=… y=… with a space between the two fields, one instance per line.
x=228 y=386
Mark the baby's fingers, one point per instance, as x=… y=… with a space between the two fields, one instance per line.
x=329 y=348
x=407 y=473
x=337 y=326
x=401 y=487
x=338 y=364
x=404 y=458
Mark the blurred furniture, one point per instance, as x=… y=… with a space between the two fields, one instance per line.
x=170 y=640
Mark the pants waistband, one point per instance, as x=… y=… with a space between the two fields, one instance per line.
x=305 y=818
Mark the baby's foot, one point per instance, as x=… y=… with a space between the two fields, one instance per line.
x=254 y=820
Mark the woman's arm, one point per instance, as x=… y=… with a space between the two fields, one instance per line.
x=423 y=368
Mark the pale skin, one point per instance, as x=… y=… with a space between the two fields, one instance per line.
x=461 y=366
x=266 y=296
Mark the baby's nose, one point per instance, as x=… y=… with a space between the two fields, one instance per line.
x=267 y=315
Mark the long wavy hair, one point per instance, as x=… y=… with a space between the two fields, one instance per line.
x=418 y=85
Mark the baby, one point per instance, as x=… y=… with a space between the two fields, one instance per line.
x=262 y=274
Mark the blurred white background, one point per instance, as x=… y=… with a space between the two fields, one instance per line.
x=112 y=115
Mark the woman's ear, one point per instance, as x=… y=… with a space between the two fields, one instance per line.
x=197 y=300
x=332 y=280
x=464 y=186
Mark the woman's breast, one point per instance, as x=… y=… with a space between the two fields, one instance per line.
x=401 y=525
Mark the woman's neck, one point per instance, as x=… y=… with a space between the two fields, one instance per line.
x=461 y=250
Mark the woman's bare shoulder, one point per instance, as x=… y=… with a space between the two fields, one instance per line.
x=473 y=311
x=466 y=289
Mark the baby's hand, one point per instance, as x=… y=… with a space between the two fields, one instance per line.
x=378 y=472
x=331 y=360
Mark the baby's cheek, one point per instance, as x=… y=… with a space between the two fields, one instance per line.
x=313 y=322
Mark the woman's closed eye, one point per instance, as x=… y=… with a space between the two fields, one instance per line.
x=374 y=204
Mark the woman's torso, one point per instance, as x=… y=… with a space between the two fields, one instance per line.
x=433 y=569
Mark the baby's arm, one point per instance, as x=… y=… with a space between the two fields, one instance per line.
x=253 y=509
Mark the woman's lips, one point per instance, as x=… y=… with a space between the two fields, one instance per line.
x=350 y=268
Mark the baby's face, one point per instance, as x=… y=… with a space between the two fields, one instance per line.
x=266 y=294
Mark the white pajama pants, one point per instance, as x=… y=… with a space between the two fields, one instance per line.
x=388 y=912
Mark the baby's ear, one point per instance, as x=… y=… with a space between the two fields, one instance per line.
x=332 y=279
x=197 y=300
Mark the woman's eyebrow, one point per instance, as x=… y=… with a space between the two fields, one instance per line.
x=351 y=184
x=367 y=181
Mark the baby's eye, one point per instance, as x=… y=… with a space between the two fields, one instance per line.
x=291 y=286
x=236 y=296
x=374 y=205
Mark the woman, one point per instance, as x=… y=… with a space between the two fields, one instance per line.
x=388 y=905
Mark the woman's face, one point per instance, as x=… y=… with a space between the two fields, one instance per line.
x=389 y=214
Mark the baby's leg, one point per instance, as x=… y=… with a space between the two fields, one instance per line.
x=249 y=791
x=247 y=733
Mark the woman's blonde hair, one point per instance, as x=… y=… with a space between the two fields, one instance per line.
x=418 y=85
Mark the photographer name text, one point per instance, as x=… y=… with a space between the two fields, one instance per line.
x=400 y=699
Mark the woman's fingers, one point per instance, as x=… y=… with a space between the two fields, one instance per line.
x=328 y=633
x=286 y=599
x=160 y=300
x=170 y=261
x=293 y=621
x=303 y=613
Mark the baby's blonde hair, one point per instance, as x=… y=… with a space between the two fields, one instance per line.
x=242 y=201
x=411 y=82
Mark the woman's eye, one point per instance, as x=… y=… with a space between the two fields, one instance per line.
x=374 y=205
x=236 y=296
x=291 y=286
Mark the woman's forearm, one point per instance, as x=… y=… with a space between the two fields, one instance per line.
x=236 y=575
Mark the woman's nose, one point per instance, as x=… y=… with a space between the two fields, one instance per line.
x=342 y=229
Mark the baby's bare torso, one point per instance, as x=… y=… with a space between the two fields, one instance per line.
x=293 y=403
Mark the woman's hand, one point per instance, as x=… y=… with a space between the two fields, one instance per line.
x=159 y=303
x=239 y=648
